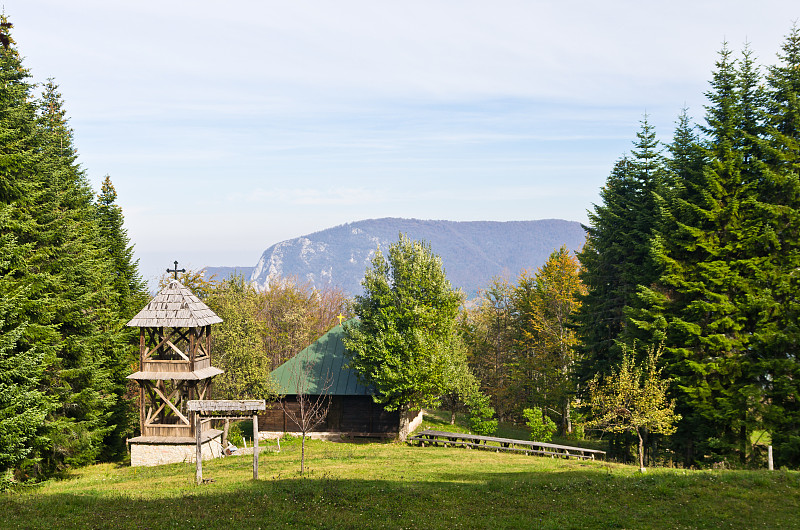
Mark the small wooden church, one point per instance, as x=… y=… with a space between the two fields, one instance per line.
x=352 y=413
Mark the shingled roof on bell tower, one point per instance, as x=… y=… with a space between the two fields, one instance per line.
x=175 y=307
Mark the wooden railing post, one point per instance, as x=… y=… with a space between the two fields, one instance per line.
x=198 y=434
x=255 y=446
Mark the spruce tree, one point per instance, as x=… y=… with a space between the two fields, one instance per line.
x=23 y=347
x=777 y=366
x=641 y=269
x=129 y=292
x=77 y=282
x=601 y=315
x=26 y=336
x=64 y=353
x=616 y=259
x=129 y=287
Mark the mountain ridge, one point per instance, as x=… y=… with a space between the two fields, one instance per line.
x=472 y=251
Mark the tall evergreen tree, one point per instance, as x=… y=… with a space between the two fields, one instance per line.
x=129 y=295
x=26 y=338
x=601 y=315
x=616 y=260
x=77 y=280
x=641 y=268
x=130 y=288
x=22 y=405
x=63 y=353
x=778 y=366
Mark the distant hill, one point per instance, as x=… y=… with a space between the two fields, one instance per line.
x=472 y=252
x=223 y=273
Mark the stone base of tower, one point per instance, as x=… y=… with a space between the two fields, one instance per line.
x=158 y=450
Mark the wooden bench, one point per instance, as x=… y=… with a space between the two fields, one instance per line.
x=490 y=443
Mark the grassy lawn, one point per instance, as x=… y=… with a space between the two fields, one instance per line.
x=392 y=485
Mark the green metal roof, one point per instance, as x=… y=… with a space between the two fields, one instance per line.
x=326 y=359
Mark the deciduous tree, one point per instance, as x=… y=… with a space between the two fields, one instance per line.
x=312 y=409
x=633 y=398
x=545 y=306
x=490 y=333
x=239 y=342
x=402 y=343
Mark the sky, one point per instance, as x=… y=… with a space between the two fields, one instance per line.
x=227 y=127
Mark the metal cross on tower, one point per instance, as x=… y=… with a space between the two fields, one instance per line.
x=176 y=270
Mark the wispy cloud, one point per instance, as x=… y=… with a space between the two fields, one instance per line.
x=271 y=118
x=333 y=196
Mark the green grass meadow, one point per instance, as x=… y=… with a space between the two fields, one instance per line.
x=393 y=485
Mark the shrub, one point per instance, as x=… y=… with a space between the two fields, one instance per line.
x=542 y=427
x=235 y=434
x=481 y=415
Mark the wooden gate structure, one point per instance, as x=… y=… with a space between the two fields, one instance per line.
x=229 y=410
x=174 y=367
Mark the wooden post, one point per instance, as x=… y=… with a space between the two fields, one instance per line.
x=225 y=436
x=192 y=347
x=142 y=345
x=255 y=446
x=769 y=458
x=198 y=436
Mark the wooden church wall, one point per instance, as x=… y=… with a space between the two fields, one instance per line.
x=347 y=414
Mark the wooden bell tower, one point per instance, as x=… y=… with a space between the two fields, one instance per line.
x=174 y=367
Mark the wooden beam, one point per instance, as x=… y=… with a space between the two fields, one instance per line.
x=191 y=351
x=177 y=350
x=168 y=402
x=222 y=405
x=141 y=348
x=141 y=408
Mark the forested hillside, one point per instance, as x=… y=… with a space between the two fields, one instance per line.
x=68 y=284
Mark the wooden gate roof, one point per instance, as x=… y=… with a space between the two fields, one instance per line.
x=174 y=307
x=326 y=356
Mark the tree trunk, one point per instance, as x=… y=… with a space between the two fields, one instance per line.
x=453 y=416
x=566 y=421
x=641 y=452
x=743 y=444
x=403 y=432
x=303 y=454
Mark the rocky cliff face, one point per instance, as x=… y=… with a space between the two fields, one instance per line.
x=472 y=252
